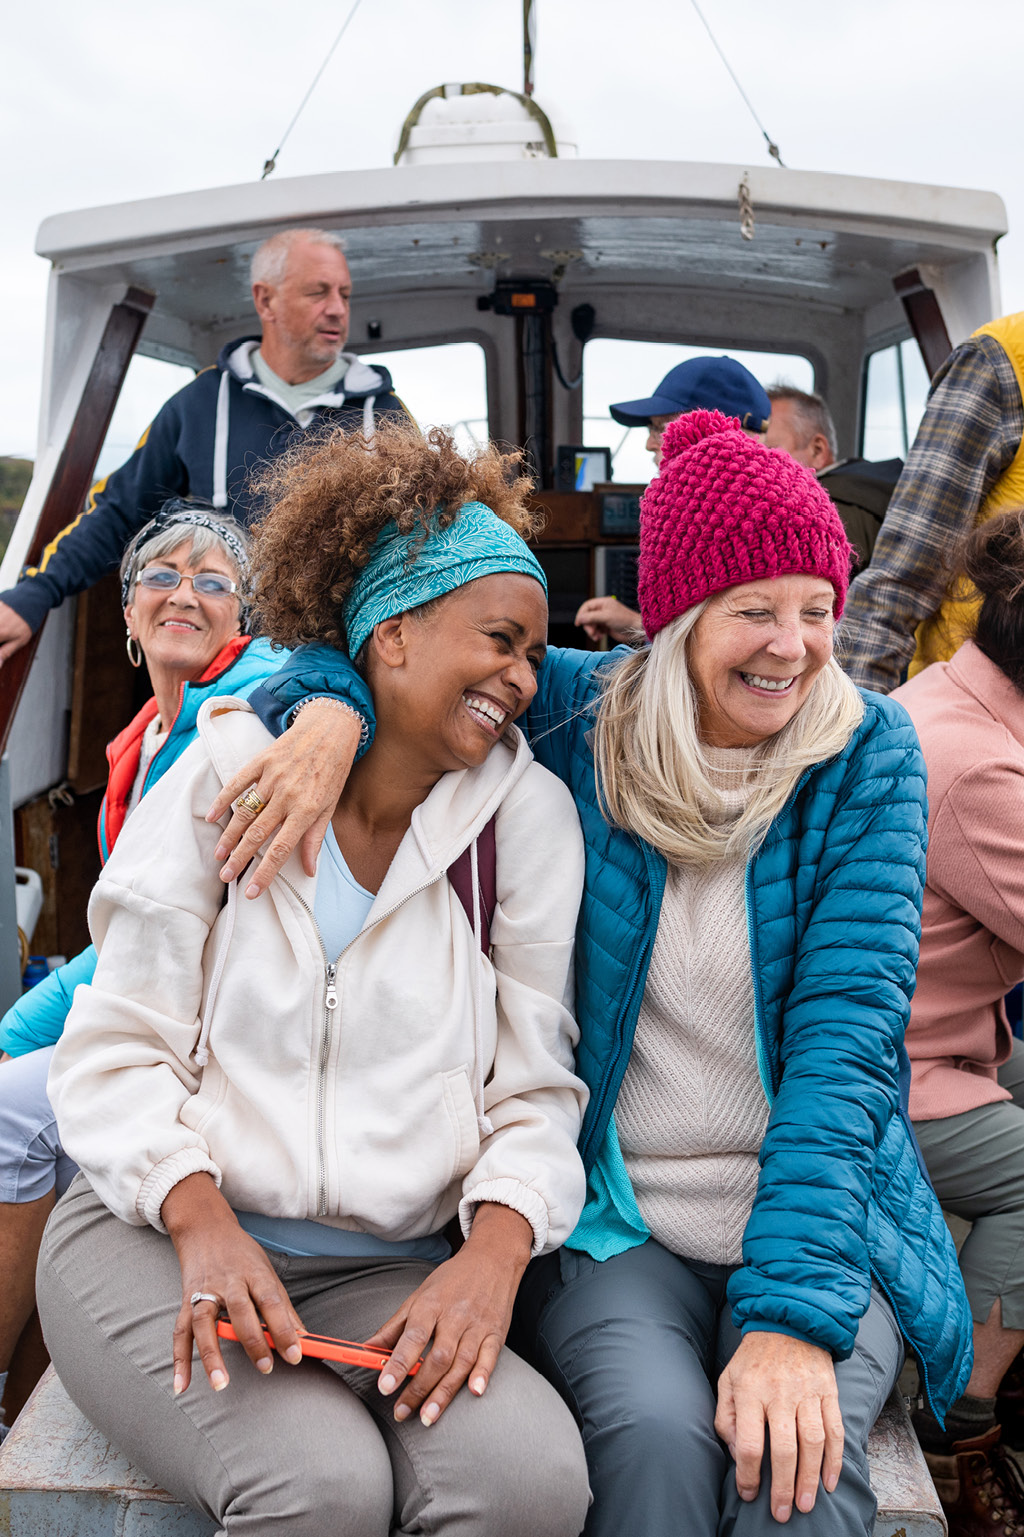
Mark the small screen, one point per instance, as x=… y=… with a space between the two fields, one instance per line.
x=620 y=513
x=580 y=469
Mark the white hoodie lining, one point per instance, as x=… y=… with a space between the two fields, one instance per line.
x=220 y=444
x=241 y=358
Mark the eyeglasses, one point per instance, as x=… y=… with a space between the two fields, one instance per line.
x=208 y=583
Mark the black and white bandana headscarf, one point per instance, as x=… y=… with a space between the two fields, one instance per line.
x=187 y=514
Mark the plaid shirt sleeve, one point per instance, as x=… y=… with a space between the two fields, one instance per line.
x=970 y=433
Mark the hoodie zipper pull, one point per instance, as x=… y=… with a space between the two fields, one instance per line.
x=331 y=1000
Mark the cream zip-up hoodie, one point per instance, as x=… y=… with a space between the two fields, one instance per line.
x=380 y=1091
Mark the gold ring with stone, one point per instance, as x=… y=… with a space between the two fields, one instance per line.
x=252 y=801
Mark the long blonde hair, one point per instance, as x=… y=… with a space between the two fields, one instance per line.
x=653 y=773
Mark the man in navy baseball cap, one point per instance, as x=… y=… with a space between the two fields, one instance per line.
x=711 y=384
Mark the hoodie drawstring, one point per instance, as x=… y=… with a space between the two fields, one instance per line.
x=202 y=1053
x=483 y=1121
x=220 y=438
x=220 y=443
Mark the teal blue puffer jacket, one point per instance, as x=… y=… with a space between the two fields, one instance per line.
x=833 y=906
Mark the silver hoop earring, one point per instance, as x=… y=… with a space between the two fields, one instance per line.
x=133 y=649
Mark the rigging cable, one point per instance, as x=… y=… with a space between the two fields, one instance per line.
x=773 y=148
x=268 y=165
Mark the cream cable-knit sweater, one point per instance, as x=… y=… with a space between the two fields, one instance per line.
x=691 y=1113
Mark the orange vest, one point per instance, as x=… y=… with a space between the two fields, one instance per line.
x=955 y=621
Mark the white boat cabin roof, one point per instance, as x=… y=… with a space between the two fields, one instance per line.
x=655 y=246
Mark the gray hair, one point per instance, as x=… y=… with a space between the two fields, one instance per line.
x=270 y=261
x=201 y=541
x=811 y=412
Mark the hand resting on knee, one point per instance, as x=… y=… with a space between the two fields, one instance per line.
x=789 y=1386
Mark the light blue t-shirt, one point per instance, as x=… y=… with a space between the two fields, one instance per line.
x=340 y=906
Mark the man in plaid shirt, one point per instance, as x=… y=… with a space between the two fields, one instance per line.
x=969 y=437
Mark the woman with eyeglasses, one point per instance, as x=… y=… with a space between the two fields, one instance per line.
x=180 y=585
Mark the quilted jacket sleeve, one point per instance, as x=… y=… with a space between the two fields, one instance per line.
x=313 y=672
x=835 y=970
x=564 y=687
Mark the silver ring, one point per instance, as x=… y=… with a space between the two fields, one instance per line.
x=203 y=1297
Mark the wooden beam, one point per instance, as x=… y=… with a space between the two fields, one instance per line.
x=922 y=310
x=77 y=464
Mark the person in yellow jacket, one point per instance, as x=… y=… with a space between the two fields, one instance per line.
x=967 y=464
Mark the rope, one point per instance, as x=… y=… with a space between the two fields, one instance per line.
x=773 y=148
x=746 y=209
x=529 y=46
x=268 y=165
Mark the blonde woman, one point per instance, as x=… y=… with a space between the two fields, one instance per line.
x=726 y=1318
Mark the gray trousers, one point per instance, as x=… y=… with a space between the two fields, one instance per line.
x=976 y=1163
x=636 y=1344
x=311 y=1450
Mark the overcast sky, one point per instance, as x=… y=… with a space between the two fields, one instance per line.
x=119 y=99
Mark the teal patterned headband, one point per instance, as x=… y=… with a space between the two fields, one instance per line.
x=405 y=570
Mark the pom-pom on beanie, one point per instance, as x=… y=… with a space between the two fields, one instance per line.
x=723 y=510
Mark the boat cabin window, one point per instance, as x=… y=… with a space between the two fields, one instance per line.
x=614 y=370
x=895 y=391
x=148 y=383
x=443 y=386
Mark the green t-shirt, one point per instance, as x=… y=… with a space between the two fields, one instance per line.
x=296 y=397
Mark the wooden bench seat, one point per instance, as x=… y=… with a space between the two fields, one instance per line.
x=61 y=1477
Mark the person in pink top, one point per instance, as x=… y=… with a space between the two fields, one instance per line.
x=967 y=1085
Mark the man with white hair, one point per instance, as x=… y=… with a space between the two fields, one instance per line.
x=207 y=438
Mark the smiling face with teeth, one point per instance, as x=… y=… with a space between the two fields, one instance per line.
x=182 y=631
x=448 y=678
x=755 y=653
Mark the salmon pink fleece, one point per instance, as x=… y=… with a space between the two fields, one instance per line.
x=724 y=510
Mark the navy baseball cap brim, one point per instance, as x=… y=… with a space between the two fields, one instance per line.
x=710 y=384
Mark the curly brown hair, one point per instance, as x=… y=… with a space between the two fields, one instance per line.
x=327 y=500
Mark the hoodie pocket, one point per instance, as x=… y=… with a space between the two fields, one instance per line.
x=461 y=1108
x=197 y=1112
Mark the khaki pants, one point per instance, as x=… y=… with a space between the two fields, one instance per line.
x=311 y=1449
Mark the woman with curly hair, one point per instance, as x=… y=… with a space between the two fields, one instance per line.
x=281 y=1108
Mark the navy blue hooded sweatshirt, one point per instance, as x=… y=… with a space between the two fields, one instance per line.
x=204 y=442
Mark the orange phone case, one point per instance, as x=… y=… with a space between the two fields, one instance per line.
x=325 y=1348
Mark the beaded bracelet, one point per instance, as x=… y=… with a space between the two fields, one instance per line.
x=335 y=704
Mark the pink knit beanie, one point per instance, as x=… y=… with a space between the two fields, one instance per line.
x=722 y=510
